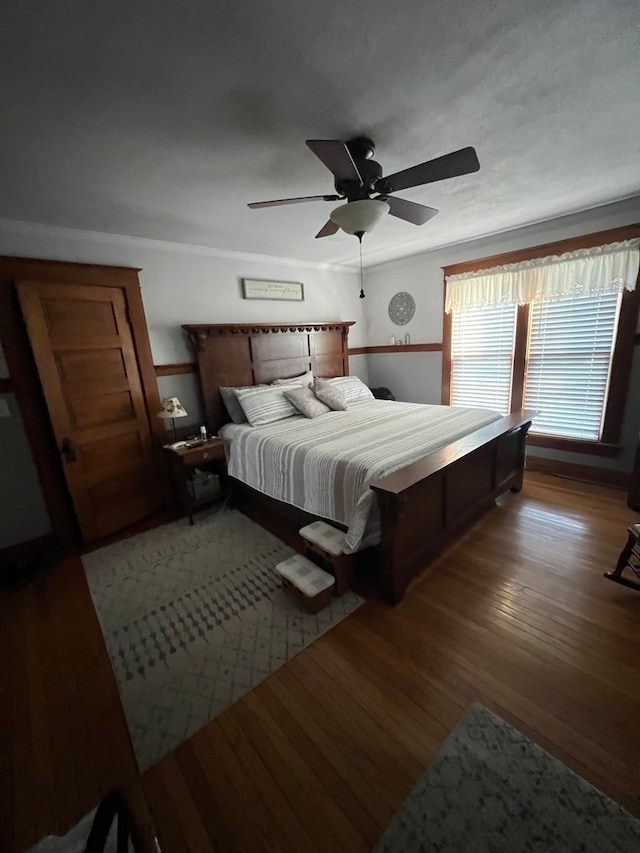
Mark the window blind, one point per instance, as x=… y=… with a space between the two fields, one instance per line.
x=569 y=363
x=482 y=357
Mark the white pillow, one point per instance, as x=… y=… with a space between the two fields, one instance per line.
x=303 y=379
x=354 y=389
x=231 y=403
x=264 y=405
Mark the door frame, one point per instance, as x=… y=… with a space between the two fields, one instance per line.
x=24 y=381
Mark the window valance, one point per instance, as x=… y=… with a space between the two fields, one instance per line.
x=586 y=272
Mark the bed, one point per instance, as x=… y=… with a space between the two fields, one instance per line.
x=420 y=507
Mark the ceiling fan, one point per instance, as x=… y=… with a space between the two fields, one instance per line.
x=369 y=195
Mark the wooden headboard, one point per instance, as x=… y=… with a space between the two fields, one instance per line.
x=253 y=353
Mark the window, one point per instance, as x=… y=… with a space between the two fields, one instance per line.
x=567 y=358
x=569 y=345
x=569 y=363
x=482 y=342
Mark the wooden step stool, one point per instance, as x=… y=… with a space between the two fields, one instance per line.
x=629 y=559
x=314 y=585
x=326 y=543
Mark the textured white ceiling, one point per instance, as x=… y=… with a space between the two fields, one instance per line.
x=163 y=119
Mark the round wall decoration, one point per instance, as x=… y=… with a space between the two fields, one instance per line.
x=402 y=307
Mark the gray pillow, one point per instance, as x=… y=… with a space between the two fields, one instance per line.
x=306 y=402
x=332 y=397
x=264 y=404
x=231 y=404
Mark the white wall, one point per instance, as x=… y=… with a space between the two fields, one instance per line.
x=418 y=377
x=23 y=513
x=179 y=285
x=182 y=284
x=413 y=377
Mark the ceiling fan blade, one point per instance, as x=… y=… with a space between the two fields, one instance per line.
x=275 y=202
x=418 y=214
x=452 y=165
x=328 y=229
x=336 y=157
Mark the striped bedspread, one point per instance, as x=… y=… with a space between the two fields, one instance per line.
x=325 y=465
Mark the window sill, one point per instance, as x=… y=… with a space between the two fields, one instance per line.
x=573 y=445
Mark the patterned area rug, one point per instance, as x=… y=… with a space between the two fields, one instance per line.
x=491 y=790
x=195 y=617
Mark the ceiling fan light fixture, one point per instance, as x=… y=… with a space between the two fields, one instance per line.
x=360 y=216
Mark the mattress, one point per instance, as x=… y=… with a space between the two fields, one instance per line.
x=325 y=465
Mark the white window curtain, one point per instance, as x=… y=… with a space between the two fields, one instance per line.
x=586 y=272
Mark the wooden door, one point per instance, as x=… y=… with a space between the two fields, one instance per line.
x=86 y=359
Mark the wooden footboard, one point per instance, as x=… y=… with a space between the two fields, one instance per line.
x=424 y=506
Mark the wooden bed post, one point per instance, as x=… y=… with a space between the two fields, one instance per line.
x=518 y=479
x=391 y=510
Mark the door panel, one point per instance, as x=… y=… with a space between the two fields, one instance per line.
x=66 y=316
x=95 y=456
x=93 y=365
x=85 y=356
x=97 y=409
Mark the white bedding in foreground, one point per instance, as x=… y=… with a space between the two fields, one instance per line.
x=325 y=465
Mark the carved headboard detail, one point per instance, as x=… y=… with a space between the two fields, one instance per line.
x=253 y=353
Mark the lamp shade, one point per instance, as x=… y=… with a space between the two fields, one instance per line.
x=360 y=215
x=172 y=408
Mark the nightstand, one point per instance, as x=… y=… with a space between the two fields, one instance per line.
x=209 y=455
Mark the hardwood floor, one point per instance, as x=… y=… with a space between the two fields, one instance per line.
x=321 y=755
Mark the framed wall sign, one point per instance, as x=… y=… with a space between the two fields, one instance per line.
x=253 y=288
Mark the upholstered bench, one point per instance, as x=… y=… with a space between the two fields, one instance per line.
x=327 y=542
x=313 y=583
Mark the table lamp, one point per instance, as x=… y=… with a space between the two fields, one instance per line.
x=172 y=408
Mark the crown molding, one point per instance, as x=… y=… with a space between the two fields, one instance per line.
x=39 y=229
x=412 y=250
x=347 y=264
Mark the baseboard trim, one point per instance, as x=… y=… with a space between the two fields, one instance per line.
x=192 y=367
x=397 y=348
x=176 y=369
x=25 y=550
x=582 y=473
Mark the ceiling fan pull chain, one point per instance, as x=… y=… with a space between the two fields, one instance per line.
x=362 y=293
